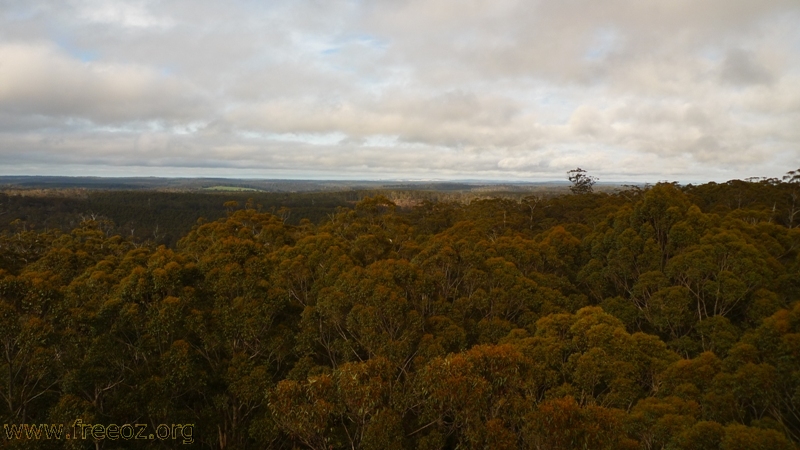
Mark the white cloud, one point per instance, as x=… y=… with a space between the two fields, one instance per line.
x=125 y=13
x=39 y=79
x=477 y=88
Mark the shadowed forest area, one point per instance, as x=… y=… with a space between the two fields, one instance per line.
x=157 y=214
x=657 y=317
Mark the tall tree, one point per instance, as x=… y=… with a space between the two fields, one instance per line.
x=581 y=181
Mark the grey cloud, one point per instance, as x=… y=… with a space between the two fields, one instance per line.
x=588 y=121
x=468 y=88
x=741 y=68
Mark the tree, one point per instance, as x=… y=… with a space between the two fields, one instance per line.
x=792 y=178
x=442 y=325
x=581 y=181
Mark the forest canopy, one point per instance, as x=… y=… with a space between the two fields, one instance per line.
x=654 y=317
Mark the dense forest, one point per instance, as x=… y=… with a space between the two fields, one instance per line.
x=662 y=317
x=163 y=217
x=155 y=216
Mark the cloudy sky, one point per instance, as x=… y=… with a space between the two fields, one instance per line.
x=631 y=90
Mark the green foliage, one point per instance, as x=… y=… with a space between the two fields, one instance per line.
x=663 y=317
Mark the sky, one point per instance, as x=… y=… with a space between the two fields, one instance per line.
x=629 y=90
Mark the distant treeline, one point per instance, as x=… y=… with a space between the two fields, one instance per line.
x=658 y=317
x=263 y=185
x=163 y=217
